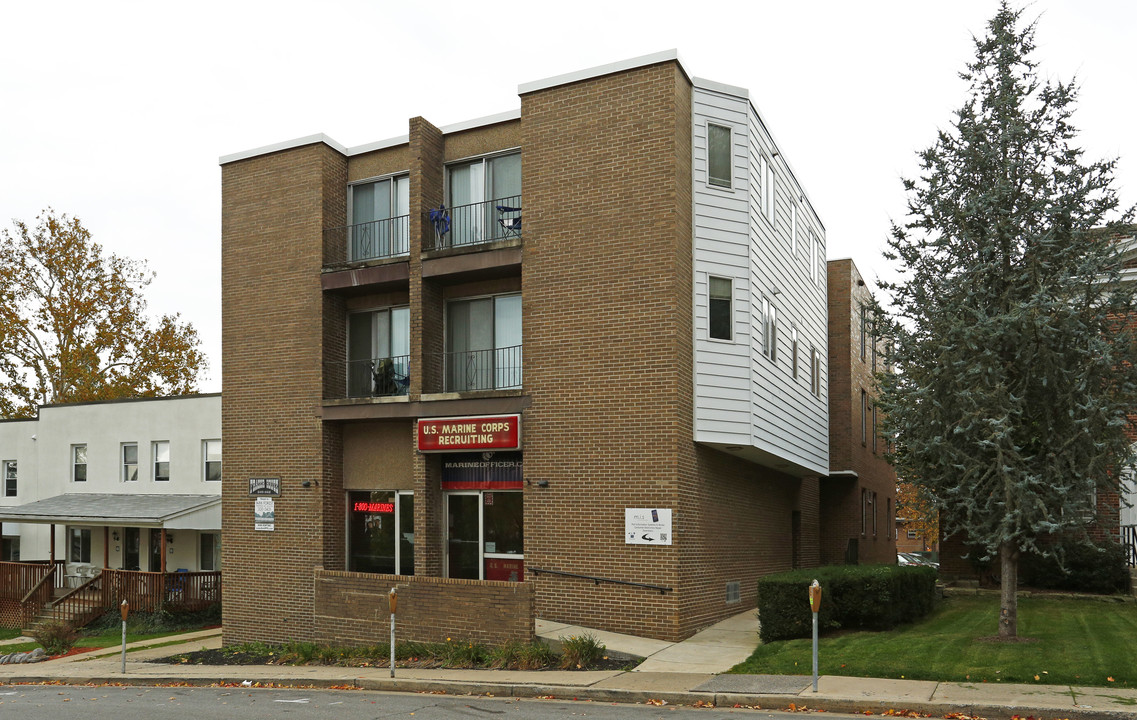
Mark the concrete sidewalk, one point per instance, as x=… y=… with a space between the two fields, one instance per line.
x=836 y=694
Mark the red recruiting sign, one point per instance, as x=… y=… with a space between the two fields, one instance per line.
x=497 y=432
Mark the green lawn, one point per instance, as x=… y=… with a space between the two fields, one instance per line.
x=8 y=633
x=1078 y=642
x=102 y=640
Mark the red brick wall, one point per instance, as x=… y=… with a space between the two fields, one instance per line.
x=849 y=374
x=352 y=609
x=275 y=209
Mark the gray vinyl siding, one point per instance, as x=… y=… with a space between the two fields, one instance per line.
x=741 y=397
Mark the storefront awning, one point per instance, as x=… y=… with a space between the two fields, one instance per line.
x=191 y=512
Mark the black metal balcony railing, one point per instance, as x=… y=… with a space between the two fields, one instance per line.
x=378 y=377
x=496 y=369
x=374 y=240
x=478 y=223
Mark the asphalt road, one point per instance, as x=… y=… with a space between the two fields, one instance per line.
x=50 y=702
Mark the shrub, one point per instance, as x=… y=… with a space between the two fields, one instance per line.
x=461 y=654
x=1079 y=567
x=581 y=651
x=873 y=597
x=56 y=637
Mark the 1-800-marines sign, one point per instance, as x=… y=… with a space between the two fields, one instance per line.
x=497 y=432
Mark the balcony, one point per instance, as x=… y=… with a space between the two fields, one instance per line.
x=376 y=377
x=472 y=370
x=375 y=240
x=477 y=224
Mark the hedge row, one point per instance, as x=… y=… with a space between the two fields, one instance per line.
x=1077 y=566
x=871 y=597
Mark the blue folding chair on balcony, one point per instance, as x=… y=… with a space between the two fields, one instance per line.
x=510 y=221
x=440 y=218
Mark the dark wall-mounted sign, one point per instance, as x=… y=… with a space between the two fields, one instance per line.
x=482 y=471
x=262 y=487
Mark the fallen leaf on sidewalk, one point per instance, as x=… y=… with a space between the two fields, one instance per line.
x=651 y=701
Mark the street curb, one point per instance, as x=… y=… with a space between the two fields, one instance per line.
x=579 y=693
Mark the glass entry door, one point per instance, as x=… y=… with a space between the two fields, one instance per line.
x=463 y=536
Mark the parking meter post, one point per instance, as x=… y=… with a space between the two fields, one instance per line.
x=124 y=610
x=815 y=606
x=393 y=598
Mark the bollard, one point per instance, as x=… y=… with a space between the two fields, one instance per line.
x=815 y=606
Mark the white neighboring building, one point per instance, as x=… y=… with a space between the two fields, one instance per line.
x=109 y=478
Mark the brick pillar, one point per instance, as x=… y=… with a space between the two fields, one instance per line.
x=426 y=145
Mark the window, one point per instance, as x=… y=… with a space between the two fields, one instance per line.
x=864 y=511
x=210 y=552
x=720 y=308
x=718 y=155
x=815 y=372
x=864 y=417
x=10 y=549
x=9 y=478
x=793 y=230
x=864 y=329
x=812 y=258
x=478 y=191
x=768 y=189
x=160 y=451
x=80 y=545
x=772 y=346
x=381 y=532
x=793 y=350
x=379 y=218
x=79 y=463
x=129 y=462
x=888 y=519
x=378 y=352
x=817 y=260
x=211 y=456
x=483 y=343
x=911 y=534
x=872 y=501
x=769 y=329
x=874 y=436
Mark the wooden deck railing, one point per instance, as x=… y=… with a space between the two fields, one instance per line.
x=150 y=591
x=17 y=578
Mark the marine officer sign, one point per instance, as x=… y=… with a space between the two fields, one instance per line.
x=647 y=526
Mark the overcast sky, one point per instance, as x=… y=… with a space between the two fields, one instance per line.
x=118 y=112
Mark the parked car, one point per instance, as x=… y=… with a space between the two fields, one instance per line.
x=914 y=559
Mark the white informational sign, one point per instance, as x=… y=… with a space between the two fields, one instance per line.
x=647 y=526
x=264 y=514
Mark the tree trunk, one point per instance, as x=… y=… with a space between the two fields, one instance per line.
x=1008 y=597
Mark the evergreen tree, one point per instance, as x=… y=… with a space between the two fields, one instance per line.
x=1013 y=380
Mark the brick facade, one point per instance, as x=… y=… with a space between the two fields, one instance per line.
x=605 y=273
x=352 y=609
x=857 y=462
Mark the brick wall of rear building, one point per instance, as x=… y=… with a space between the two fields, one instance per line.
x=352 y=609
x=849 y=374
x=606 y=312
x=275 y=208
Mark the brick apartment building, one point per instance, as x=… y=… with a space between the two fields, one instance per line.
x=858 y=500
x=591 y=388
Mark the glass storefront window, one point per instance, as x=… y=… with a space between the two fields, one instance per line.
x=380 y=532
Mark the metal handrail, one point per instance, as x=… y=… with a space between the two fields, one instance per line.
x=376 y=377
x=495 y=369
x=1129 y=541
x=479 y=223
x=596 y=579
x=389 y=237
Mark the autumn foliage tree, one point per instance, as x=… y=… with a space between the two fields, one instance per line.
x=917 y=506
x=73 y=324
